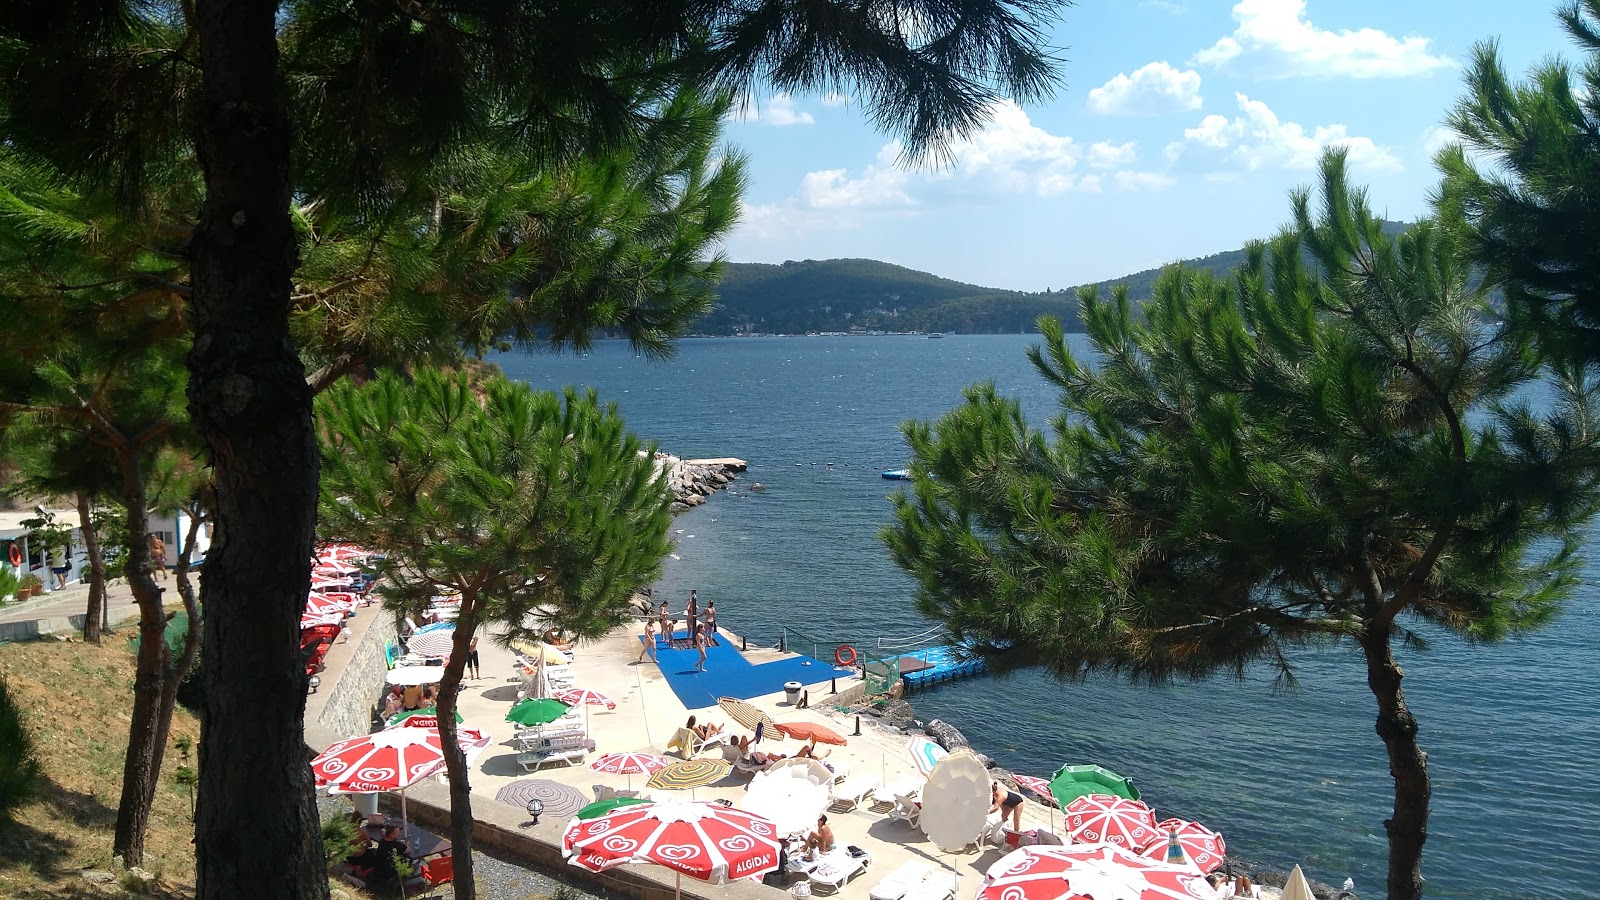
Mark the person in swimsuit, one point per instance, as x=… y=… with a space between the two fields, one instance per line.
x=822 y=839
x=665 y=622
x=1007 y=803
x=693 y=614
x=700 y=646
x=649 y=640
x=472 y=656
x=711 y=622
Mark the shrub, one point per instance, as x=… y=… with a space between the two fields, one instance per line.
x=19 y=764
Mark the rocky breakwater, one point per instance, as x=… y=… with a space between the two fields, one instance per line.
x=693 y=480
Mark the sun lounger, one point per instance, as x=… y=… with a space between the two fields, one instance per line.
x=840 y=769
x=836 y=868
x=851 y=793
x=901 y=880
x=689 y=745
x=906 y=810
x=557 y=742
x=534 y=760
x=905 y=786
x=938 y=886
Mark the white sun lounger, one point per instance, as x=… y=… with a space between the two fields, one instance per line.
x=901 y=880
x=837 y=868
x=850 y=794
x=938 y=886
x=905 y=786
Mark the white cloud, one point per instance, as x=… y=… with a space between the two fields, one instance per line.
x=1257 y=139
x=1142 y=181
x=1175 y=7
x=1106 y=155
x=1277 y=35
x=1010 y=156
x=1152 y=89
x=834 y=98
x=775 y=110
x=1435 y=138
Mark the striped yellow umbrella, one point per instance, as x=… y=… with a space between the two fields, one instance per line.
x=749 y=716
x=687 y=774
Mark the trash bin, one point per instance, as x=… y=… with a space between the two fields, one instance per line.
x=366 y=804
x=791 y=689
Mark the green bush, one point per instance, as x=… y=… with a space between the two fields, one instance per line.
x=338 y=839
x=8 y=582
x=19 y=764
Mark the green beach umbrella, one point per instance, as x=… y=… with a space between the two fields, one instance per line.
x=1071 y=782
x=537 y=711
x=428 y=715
x=596 y=810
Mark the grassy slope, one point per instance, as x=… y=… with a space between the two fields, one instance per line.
x=74 y=699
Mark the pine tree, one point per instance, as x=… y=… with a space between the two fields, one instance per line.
x=540 y=511
x=1326 y=447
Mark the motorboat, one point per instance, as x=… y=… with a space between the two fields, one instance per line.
x=898 y=474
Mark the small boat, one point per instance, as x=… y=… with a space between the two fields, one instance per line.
x=937 y=335
x=898 y=474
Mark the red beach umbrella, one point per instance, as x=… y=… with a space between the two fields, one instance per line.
x=1106 y=818
x=1090 y=872
x=701 y=840
x=631 y=764
x=389 y=760
x=575 y=696
x=1204 y=847
x=1037 y=786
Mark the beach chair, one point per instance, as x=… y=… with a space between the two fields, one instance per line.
x=938 y=886
x=689 y=745
x=839 y=768
x=901 y=880
x=906 y=810
x=905 y=786
x=851 y=793
x=534 y=760
x=837 y=867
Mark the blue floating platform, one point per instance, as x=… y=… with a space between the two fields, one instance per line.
x=729 y=674
x=936 y=664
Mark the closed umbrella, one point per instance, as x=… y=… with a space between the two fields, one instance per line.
x=1203 y=847
x=955 y=801
x=1103 y=818
x=747 y=715
x=703 y=841
x=1297 y=888
x=631 y=764
x=806 y=731
x=1089 y=872
x=925 y=754
x=560 y=800
x=537 y=711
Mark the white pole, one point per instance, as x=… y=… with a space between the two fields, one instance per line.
x=644 y=713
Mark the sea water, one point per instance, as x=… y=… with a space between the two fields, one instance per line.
x=1513 y=730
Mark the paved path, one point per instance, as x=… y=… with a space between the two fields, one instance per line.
x=74 y=600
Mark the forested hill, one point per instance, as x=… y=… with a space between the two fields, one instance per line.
x=867 y=295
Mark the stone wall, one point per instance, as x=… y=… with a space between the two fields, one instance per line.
x=28 y=629
x=348 y=709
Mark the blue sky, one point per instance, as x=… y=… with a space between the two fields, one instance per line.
x=1180 y=129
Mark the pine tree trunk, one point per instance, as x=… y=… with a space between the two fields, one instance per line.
x=455 y=761
x=1408 y=826
x=142 y=765
x=257 y=827
x=97 y=571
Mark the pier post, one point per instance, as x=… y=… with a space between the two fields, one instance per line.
x=858 y=727
x=833 y=686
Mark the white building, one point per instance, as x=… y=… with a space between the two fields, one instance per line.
x=23 y=556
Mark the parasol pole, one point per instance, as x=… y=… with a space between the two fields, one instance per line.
x=677 y=884
x=644 y=713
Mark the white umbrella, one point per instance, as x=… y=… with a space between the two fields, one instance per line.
x=410 y=675
x=1297 y=888
x=434 y=643
x=791 y=797
x=955 y=803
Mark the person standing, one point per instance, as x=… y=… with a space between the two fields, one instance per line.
x=666 y=624
x=158 y=556
x=59 y=567
x=711 y=622
x=693 y=614
x=649 y=641
x=472 y=657
x=700 y=645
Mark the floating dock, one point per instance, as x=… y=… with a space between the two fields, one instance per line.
x=933 y=665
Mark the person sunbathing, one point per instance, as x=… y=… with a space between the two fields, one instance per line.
x=822 y=839
x=703 y=732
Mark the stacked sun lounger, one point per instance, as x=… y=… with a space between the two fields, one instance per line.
x=556 y=743
x=901 y=880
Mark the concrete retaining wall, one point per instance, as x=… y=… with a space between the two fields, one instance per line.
x=28 y=629
x=348 y=709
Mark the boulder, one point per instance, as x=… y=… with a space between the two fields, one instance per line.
x=946 y=735
x=897 y=713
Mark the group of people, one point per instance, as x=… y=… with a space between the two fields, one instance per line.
x=377 y=862
x=408 y=698
x=702 y=631
x=1226 y=888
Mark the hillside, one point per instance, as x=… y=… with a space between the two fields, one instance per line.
x=811 y=295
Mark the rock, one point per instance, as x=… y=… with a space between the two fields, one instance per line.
x=986 y=759
x=694 y=499
x=897 y=713
x=678 y=506
x=757 y=487
x=1003 y=776
x=946 y=735
x=97 y=876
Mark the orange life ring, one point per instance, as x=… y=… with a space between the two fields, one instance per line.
x=16 y=554
x=845 y=655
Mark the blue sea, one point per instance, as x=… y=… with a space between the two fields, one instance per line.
x=1513 y=730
